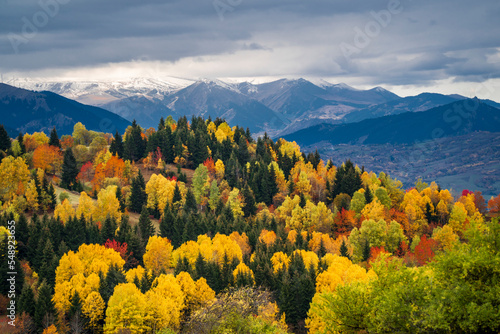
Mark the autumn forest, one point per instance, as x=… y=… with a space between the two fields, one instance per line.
x=199 y=227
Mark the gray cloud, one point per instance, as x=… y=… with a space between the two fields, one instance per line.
x=423 y=42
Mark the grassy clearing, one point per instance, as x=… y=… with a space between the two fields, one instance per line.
x=74 y=197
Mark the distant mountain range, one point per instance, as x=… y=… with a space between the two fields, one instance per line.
x=453 y=119
x=280 y=107
x=24 y=111
x=271 y=107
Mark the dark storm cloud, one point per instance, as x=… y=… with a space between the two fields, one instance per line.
x=420 y=41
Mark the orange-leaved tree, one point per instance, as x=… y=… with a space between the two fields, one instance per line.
x=47 y=157
x=494 y=206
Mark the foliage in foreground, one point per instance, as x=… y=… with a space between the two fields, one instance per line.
x=457 y=293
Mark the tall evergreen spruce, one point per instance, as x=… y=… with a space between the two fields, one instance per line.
x=167 y=223
x=120 y=198
x=145 y=225
x=49 y=264
x=134 y=146
x=108 y=229
x=190 y=204
x=190 y=229
x=366 y=251
x=45 y=310
x=114 y=276
x=52 y=196
x=116 y=146
x=249 y=209
x=22 y=237
x=27 y=301
x=20 y=140
x=347 y=180
x=5 y=267
x=344 y=251
x=273 y=190
x=178 y=231
x=75 y=231
x=243 y=154
x=69 y=170
x=177 y=194
x=54 y=138
x=368 y=195
x=138 y=195
x=77 y=321
x=4 y=139
x=161 y=125
x=199 y=149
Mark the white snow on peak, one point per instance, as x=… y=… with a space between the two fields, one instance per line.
x=99 y=92
x=325 y=84
x=217 y=82
x=344 y=86
x=379 y=89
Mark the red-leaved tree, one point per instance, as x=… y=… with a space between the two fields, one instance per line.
x=122 y=249
x=425 y=250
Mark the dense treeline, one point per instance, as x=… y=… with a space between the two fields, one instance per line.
x=157 y=222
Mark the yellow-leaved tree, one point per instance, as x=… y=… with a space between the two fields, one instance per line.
x=189 y=250
x=160 y=191
x=127 y=310
x=52 y=329
x=32 y=196
x=197 y=294
x=242 y=241
x=224 y=131
x=244 y=274
x=290 y=149
x=236 y=202
x=280 y=262
x=14 y=178
x=310 y=217
x=64 y=211
x=79 y=272
x=85 y=206
x=310 y=258
x=158 y=256
x=134 y=273
x=107 y=205
x=458 y=217
x=445 y=236
x=267 y=237
x=93 y=308
x=165 y=303
x=373 y=210
x=222 y=245
x=212 y=250
x=328 y=243
x=341 y=271
x=219 y=169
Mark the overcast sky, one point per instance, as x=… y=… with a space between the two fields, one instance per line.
x=448 y=46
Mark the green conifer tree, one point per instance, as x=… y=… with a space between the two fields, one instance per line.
x=4 y=139
x=116 y=146
x=27 y=301
x=190 y=204
x=54 y=138
x=69 y=170
x=138 y=196
x=20 y=140
x=146 y=228
x=45 y=310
